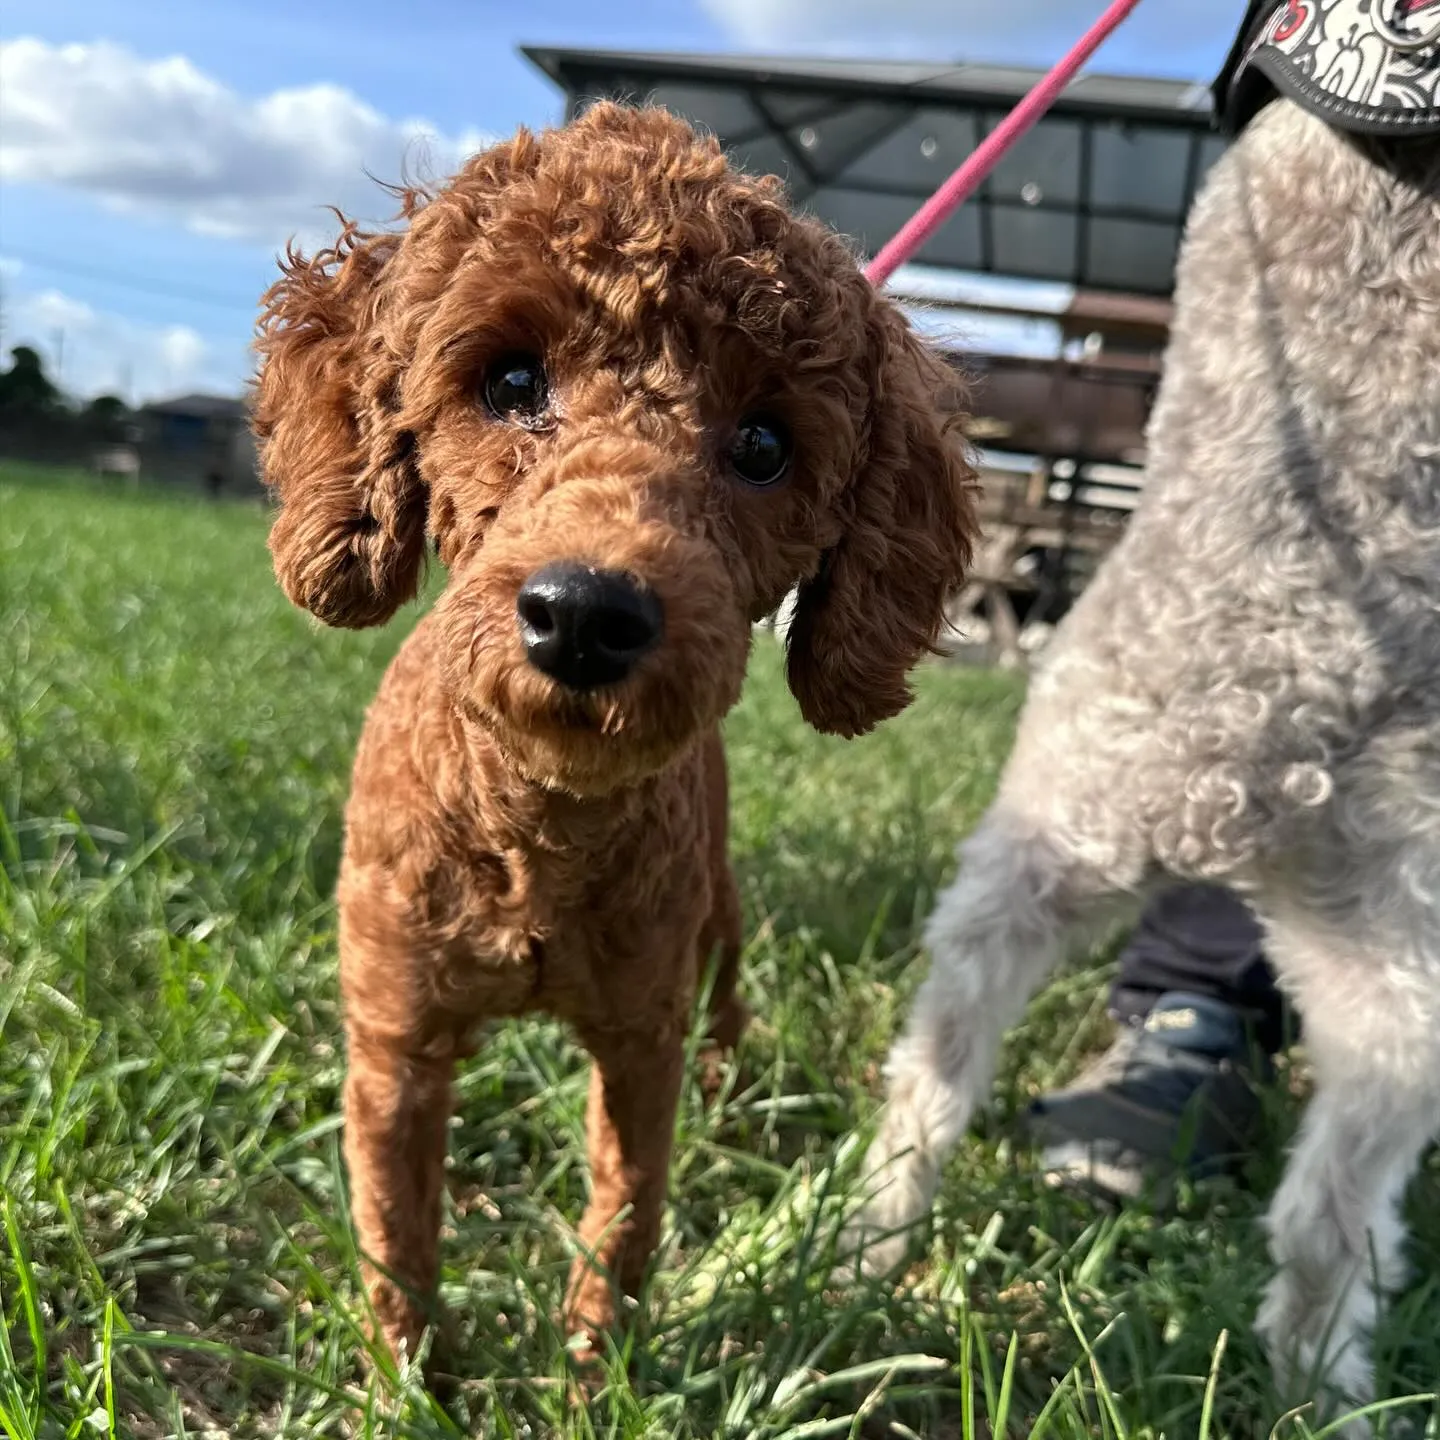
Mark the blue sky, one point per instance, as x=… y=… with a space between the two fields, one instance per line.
x=156 y=154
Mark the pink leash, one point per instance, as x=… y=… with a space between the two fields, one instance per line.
x=963 y=183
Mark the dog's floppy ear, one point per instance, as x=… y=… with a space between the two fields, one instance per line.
x=877 y=602
x=349 y=541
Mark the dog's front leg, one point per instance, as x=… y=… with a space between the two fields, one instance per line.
x=397 y=1104
x=634 y=1090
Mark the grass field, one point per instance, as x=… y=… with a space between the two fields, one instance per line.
x=174 y=748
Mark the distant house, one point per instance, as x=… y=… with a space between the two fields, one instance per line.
x=201 y=438
x=187 y=420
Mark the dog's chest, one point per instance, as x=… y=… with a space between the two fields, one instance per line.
x=609 y=947
x=577 y=930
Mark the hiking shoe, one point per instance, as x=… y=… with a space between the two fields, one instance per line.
x=1173 y=1095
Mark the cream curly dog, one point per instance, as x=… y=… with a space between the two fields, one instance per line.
x=1248 y=691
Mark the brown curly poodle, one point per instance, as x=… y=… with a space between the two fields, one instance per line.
x=633 y=401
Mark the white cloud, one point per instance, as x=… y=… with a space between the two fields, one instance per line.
x=952 y=30
x=162 y=138
x=91 y=352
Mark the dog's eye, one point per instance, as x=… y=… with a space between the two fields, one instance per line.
x=515 y=389
x=760 y=452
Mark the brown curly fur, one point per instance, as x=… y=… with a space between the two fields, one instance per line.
x=512 y=846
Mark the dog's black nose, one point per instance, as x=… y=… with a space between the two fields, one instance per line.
x=586 y=627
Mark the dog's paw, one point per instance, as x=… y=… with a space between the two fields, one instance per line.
x=1316 y=1353
x=589 y=1312
x=867 y=1248
x=883 y=1235
x=715 y=1074
x=402 y=1332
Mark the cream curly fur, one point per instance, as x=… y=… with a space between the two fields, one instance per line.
x=1248 y=691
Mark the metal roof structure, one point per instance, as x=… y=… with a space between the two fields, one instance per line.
x=1094 y=196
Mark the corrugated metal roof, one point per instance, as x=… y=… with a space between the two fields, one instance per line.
x=1094 y=196
x=1138 y=97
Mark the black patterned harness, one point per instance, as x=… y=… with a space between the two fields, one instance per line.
x=1371 y=67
